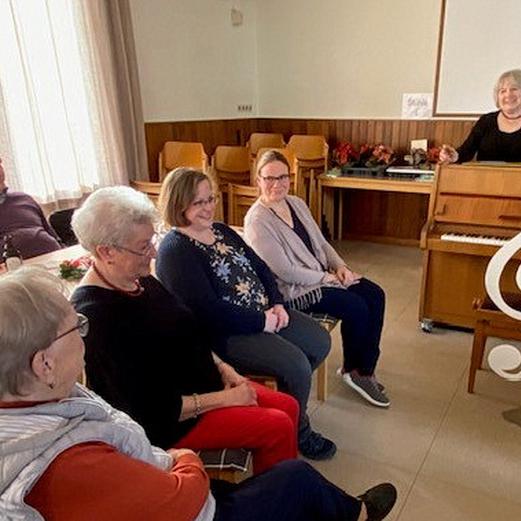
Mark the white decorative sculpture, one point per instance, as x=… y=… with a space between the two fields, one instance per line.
x=504 y=359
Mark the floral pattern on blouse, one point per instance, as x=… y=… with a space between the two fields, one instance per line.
x=237 y=281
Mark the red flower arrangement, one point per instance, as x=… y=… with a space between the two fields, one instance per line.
x=345 y=155
x=75 y=269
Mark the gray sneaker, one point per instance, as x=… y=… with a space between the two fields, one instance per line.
x=367 y=387
x=340 y=372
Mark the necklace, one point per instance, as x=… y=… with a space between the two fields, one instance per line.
x=133 y=293
x=511 y=118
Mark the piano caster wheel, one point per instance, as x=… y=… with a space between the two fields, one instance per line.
x=426 y=325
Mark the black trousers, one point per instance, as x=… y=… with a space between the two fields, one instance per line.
x=361 y=309
x=290 y=491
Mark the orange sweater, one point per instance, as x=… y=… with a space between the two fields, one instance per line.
x=93 y=481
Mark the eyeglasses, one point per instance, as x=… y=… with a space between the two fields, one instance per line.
x=201 y=203
x=82 y=326
x=150 y=248
x=271 y=180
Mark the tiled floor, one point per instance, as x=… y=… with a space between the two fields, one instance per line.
x=450 y=454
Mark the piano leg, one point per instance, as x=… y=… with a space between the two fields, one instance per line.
x=426 y=325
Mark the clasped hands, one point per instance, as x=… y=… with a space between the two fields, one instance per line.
x=277 y=318
x=239 y=390
x=342 y=275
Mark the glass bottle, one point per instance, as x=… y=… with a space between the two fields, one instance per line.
x=11 y=256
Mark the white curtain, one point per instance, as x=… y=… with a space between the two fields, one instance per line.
x=61 y=130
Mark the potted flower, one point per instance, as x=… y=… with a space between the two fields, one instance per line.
x=371 y=159
x=75 y=269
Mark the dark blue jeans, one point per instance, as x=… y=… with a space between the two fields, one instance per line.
x=290 y=356
x=361 y=309
x=290 y=491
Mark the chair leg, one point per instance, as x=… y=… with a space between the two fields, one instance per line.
x=322 y=381
x=478 y=350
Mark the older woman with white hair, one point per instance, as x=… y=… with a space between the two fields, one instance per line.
x=496 y=136
x=146 y=354
x=66 y=454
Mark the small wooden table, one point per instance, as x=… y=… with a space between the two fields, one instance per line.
x=327 y=185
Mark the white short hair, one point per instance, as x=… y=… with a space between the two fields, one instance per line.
x=108 y=214
x=514 y=74
x=32 y=308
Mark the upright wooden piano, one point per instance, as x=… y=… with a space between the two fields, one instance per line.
x=474 y=209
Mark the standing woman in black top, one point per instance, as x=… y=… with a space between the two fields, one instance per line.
x=145 y=353
x=496 y=136
x=234 y=295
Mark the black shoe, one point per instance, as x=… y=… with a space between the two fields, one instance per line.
x=317 y=447
x=379 y=501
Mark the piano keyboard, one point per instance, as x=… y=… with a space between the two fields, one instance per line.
x=474 y=239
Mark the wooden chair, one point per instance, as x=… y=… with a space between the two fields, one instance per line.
x=181 y=153
x=490 y=321
x=328 y=323
x=148 y=187
x=312 y=155
x=230 y=164
x=293 y=167
x=240 y=198
x=263 y=140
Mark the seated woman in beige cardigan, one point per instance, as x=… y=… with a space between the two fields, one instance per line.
x=313 y=278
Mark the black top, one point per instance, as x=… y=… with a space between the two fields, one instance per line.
x=189 y=269
x=143 y=354
x=490 y=143
x=301 y=231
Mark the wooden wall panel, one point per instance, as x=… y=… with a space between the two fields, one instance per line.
x=384 y=216
x=396 y=133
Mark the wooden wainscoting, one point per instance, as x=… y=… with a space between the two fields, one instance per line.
x=394 y=132
x=391 y=217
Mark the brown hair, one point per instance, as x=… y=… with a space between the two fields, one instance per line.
x=270 y=156
x=177 y=193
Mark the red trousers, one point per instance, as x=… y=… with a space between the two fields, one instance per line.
x=269 y=430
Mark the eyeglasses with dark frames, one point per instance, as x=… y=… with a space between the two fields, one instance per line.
x=201 y=203
x=147 y=251
x=271 y=180
x=82 y=326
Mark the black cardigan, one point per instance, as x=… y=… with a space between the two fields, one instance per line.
x=143 y=354
x=184 y=269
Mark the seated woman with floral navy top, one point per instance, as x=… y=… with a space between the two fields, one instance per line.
x=234 y=294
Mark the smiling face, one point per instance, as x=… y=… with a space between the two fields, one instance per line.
x=201 y=210
x=274 y=181
x=509 y=97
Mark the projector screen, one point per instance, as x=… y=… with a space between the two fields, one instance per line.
x=479 y=39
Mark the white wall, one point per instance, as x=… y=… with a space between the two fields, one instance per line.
x=290 y=58
x=193 y=64
x=344 y=58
